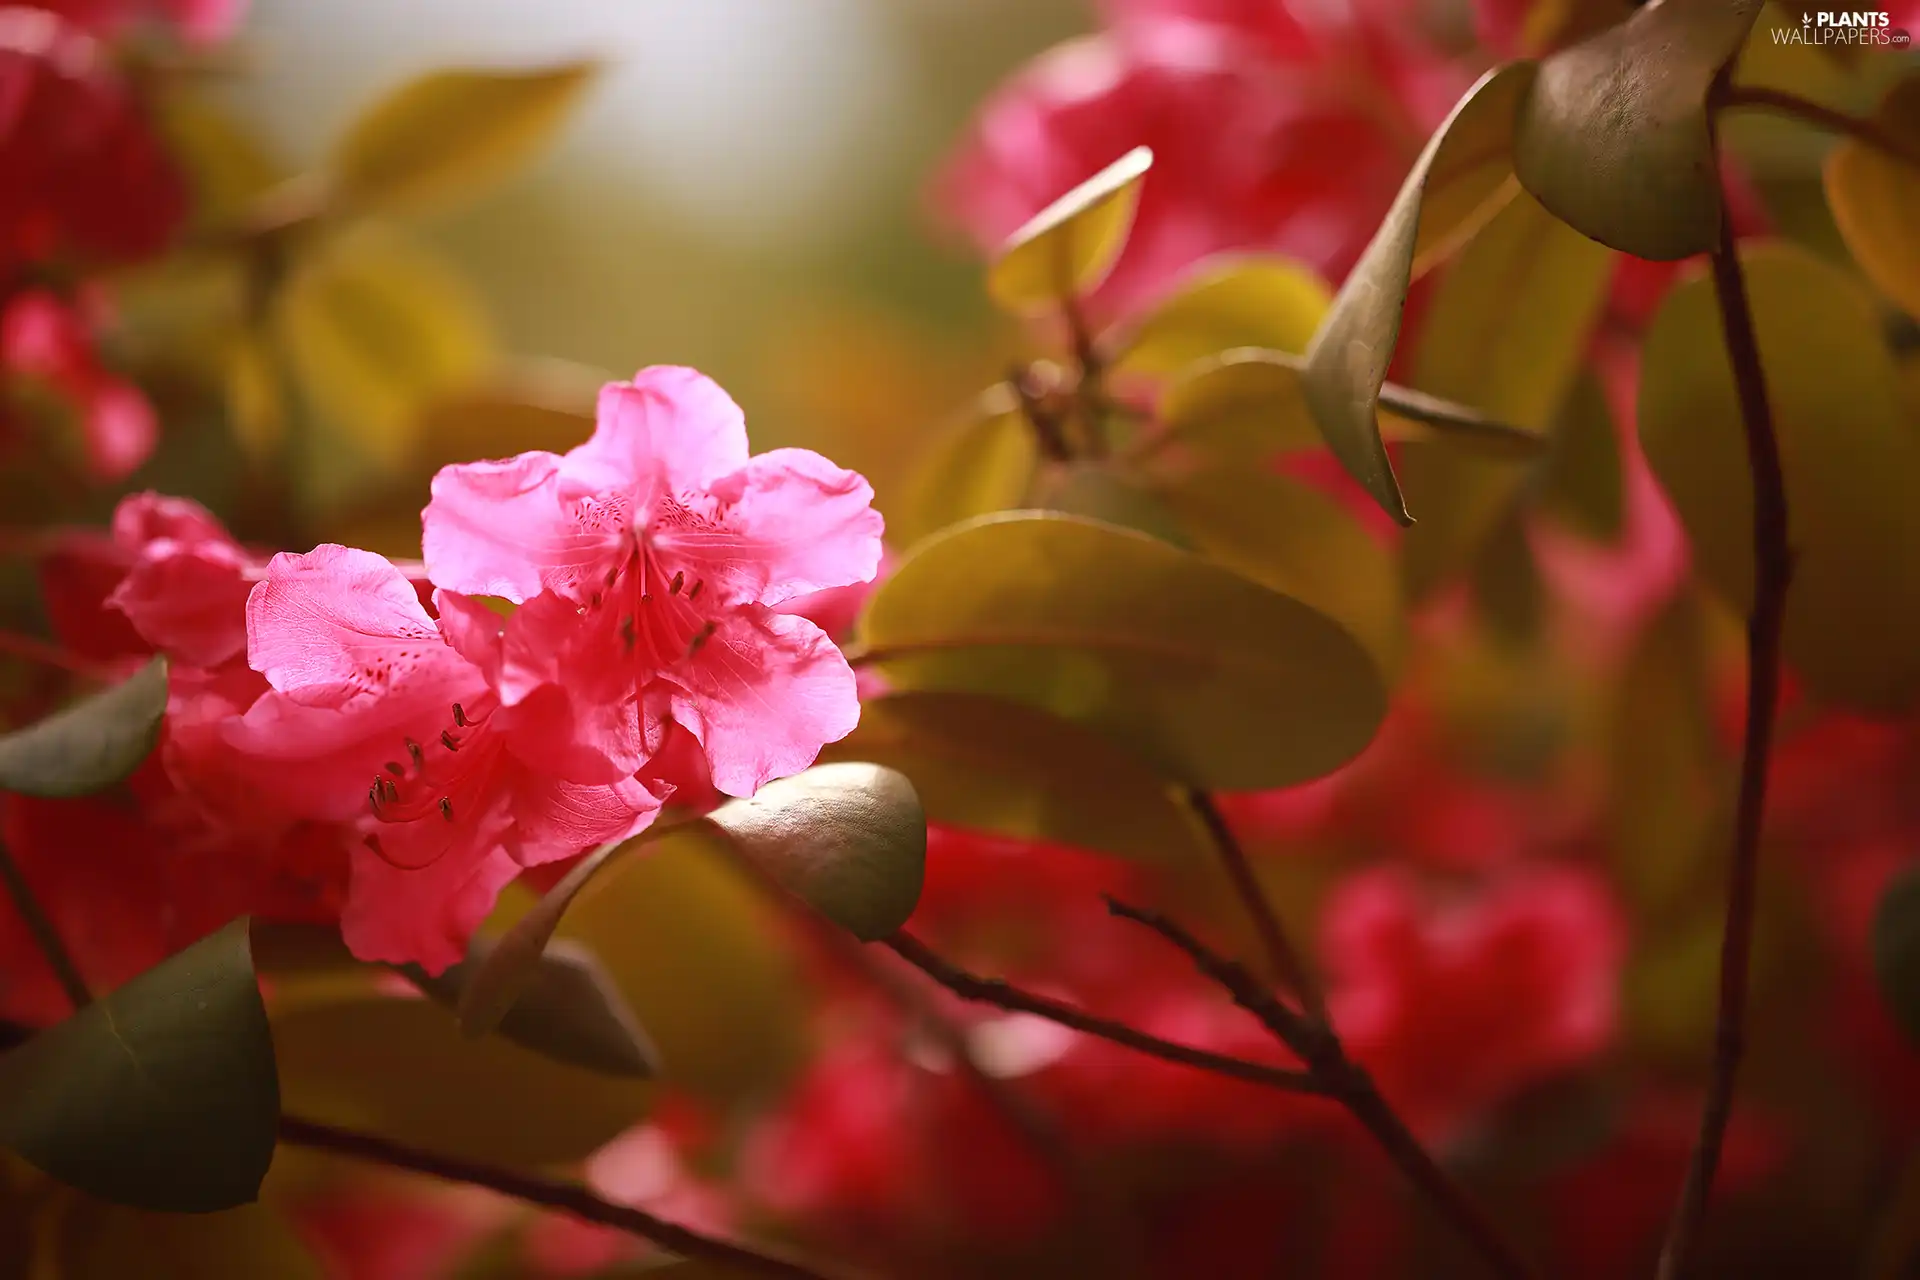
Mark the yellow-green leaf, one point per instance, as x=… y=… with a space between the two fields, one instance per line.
x=1206 y=675
x=565 y=1006
x=376 y=329
x=1255 y=301
x=1506 y=332
x=1613 y=135
x=1848 y=451
x=1099 y=490
x=401 y=1067
x=1463 y=168
x=1068 y=247
x=449 y=134
x=90 y=745
x=982 y=464
x=1876 y=199
x=161 y=1095
x=997 y=766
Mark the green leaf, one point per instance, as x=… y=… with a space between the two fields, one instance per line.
x=1098 y=490
x=1068 y=247
x=565 y=1006
x=1244 y=407
x=1896 y=949
x=1580 y=484
x=1209 y=677
x=1506 y=333
x=376 y=329
x=1613 y=135
x=400 y=1066
x=1848 y=451
x=91 y=745
x=1876 y=199
x=1256 y=301
x=980 y=465
x=849 y=839
x=1462 y=169
x=997 y=766
x=1506 y=582
x=159 y=1096
x=449 y=134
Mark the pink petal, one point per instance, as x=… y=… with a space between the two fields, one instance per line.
x=340 y=624
x=142 y=518
x=423 y=917
x=501 y=528
x=119 y=428
x=474 y=631
x=670 y=424
x=189 y=600
x=555 y=820
x=793 y=523
x=763 y=694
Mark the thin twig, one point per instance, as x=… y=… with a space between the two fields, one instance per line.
x=1773 y=569
x=1317 y=1045
x=566 y=1197
x=1287 y=965
x=40 y=925
x=1004 y=995
x=1862 y=128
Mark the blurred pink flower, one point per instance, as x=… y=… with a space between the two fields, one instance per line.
x=46 y=339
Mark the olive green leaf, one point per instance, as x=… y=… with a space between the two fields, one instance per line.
x=1068 y=247
x=90 y=745
x=1250 y=301
x=1848 y=451
x=981 y=464
x=1463 y=169
x=1876 y=199
x=1614 y=137
x=1209 y=677
x=1002 y=767
x=449 y=134
x=162 y=1095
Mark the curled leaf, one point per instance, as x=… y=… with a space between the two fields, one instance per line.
x=1614 y=137
x=1466 y=161
x=90 y=745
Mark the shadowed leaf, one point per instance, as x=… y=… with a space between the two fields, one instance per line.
x=1896 y=949
x=90 y=745
x=1613 y=136
x=161 y=1095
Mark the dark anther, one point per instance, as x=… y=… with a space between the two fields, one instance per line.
x=446 y=808
x=459 y=715
x=679 y=576
x=695 y=593
x=613 y=576
x=388 y=791
x=448 y=741
x=419 y=756
x=373 y=796
x=700 y=637
x=646 y=597
x=627 y=632
x=594 y=600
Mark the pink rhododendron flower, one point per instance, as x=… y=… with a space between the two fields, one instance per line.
x=1452 y=1007
x=381 y=712
x=198 y=21
x=651 y=561
x=45 y=339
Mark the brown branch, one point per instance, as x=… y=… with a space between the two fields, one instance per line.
x=45 y=936
x=1287 y=965
x=1773 y=569
x=1004 y=995
x=565 y=1197
x=1320 y=1048
x=1861 y=128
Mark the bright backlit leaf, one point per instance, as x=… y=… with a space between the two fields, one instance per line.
x=1613 y=135
x=375 y=329
x=449 y=134
x=161 y=1095
x=1267 y=302
x=1002 y=767
x=1462 y=170
x=90 y=745
x=1068 y=247
x=1876 y=199
x=1848 y=451
x=1208 y=676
